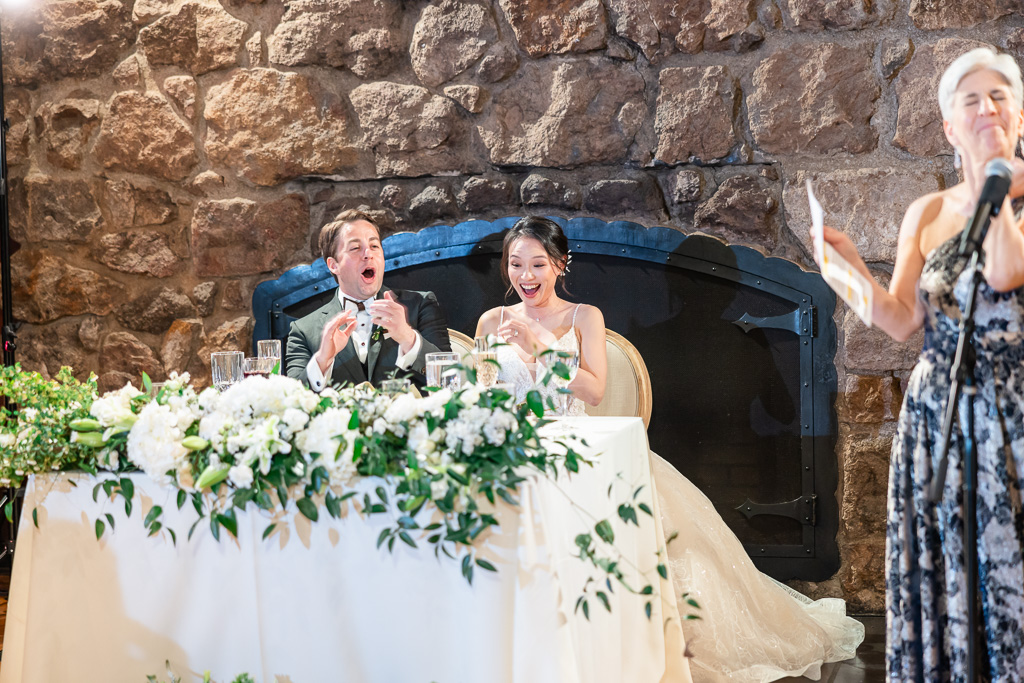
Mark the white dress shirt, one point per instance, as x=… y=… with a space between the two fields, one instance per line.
x=361 y=338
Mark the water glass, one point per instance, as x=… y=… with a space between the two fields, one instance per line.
x=395 y=386
x=442 y=370
x=226 y=368
x=258 y=366
x=270 y=348
x=571 y=361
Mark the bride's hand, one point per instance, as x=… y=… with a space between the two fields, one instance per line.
x=519 y=332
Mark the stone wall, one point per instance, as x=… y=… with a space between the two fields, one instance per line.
x=168 y=155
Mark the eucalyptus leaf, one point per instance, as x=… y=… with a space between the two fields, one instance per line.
x=100 y=526
x=604 y=531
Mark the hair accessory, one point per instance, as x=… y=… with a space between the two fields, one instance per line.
x=568 y=260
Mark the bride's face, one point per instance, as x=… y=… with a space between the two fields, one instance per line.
x=531 y=271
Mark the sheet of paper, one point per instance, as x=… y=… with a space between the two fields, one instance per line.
x=849 y=284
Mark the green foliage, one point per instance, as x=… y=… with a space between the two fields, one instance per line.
x=36 y=423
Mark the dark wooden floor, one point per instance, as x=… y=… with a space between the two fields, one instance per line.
x=869 y=664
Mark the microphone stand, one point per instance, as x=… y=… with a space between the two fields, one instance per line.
x=962 y=380
x=8 y=331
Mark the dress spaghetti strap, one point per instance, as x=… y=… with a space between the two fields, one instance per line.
x=575 y=311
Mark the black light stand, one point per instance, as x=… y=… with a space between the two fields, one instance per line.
x=8 y=333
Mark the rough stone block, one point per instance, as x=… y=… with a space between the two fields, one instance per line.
x=273 y=126
x=638 y=195
x=197 y=37
x=363 y=36
x=827 y=15
x=449 y=37
x=242 y=237
x=485 y=194
x=918 y=119
x=540 y=189
x=66 y=127
x=694 y=116
x=867 y=204
x=565 y=114
x=62 y=210
x=433 y=203
x=947 y=14
x=814 y=98
x=411 y=131
x=469 y=97
x=869 y=399
x=154 y=311
x=740 y=206
x=545 y=27
x=140 y=252
x=870 y=349
x=123 y=359
x=142 y=134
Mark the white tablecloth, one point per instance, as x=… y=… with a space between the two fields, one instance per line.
x=318 y=602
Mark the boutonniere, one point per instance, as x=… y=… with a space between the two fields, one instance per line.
x=378 y=332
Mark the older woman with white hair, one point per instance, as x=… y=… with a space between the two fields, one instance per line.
x=980 y=96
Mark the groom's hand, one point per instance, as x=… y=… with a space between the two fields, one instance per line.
x=394 y=318
x=334 y=337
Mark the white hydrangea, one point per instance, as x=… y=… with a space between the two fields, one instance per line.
x=240 y=476
x=114 y=408
x=154 y=443
x=321 y=439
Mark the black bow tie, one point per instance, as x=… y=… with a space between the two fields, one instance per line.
x=360 y=306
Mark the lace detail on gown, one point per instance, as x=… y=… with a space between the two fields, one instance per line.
x=516 y=372
x=752 y=629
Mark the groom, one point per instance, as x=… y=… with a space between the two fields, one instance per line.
x=366 y=331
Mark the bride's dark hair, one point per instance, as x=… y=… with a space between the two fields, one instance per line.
x=545 y=231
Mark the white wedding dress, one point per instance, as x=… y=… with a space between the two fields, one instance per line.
x=752 y=629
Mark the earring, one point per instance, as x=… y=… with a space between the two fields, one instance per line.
x=956 y=157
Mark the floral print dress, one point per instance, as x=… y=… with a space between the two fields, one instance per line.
x=926 y=598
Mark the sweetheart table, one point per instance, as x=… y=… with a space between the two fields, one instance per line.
x=319 y=602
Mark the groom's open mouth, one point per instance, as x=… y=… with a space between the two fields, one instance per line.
x=368 y=274
x=529 y=291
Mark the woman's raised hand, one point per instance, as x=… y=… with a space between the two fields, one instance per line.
x=525 y=333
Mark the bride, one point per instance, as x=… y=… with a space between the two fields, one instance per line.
x=751 y=627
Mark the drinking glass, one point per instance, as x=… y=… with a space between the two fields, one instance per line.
x=258 y=366
x=270 y=348
x=226 y=368
x=441 y=370
x=395 y=386
x=486 y=363
x=571 y=361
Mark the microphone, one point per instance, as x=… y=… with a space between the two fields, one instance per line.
x=998 y=174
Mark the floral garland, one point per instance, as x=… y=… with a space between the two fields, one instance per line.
x=269 y=441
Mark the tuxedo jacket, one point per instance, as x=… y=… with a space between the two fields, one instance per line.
x=424 y=315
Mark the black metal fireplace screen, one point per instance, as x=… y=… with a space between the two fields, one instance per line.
x=740 y=348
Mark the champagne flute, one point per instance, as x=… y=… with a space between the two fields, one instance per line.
x=485 y=360
x=226 y=368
